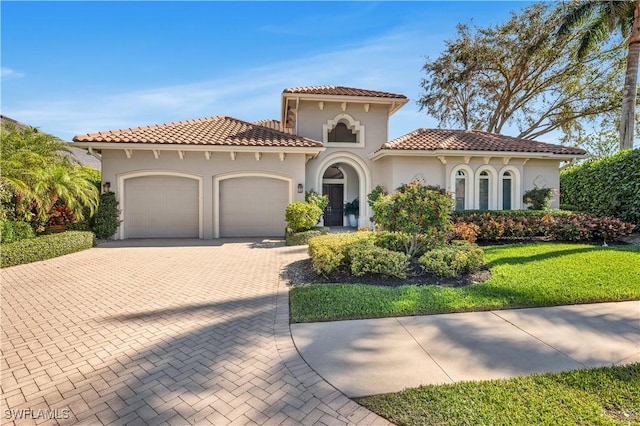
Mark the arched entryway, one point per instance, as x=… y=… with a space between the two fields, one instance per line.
x=344 y=177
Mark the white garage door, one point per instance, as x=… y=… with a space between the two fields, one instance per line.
x=161 y=207
x=253 y=207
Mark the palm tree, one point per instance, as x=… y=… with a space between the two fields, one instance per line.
x=599 y=20
x=35 y=169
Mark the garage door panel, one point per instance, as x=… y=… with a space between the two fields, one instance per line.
x=161 y=207
x=253 y=207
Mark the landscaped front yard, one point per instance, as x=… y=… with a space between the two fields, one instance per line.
x=522 y=275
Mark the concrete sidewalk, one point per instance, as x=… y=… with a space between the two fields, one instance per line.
x=368 y=357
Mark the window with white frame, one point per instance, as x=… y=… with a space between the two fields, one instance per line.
x=461 y=189
x=344 y=131
x=483 y=190
x=507 y=191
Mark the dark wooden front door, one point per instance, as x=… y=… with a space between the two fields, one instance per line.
x=333 y=214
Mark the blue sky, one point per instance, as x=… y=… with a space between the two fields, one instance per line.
x=81 y=67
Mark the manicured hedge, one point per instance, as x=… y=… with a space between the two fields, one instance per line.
x=330 y=252
x=553 y=225
x=605 y=187
x=302 y=238
x=45 y=247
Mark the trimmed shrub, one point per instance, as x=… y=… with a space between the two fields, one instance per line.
x=330 y=252
x=415 y=209
x=302 y=238
x=606 y=187
x=11 y=231
x=452 y=261
x=538 y=198
x=45 y=247
x=302 y=216
x=107 y=217
x=369 y=259
x=552 y=224
x=464 y=232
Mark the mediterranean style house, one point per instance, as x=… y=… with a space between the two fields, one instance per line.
x=223 y=177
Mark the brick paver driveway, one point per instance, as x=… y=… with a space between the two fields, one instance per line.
x=160 y=331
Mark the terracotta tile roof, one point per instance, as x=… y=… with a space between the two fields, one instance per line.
x=472 y=140
x=342 y=91
x=220 y=130
x=273 y=124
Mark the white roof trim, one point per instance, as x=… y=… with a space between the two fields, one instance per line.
x=196 y=148
x=451 y=153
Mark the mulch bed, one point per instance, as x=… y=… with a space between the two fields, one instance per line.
x=301 y=273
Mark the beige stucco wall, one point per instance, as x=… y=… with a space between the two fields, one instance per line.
x=363 y=174
x=548 y=171
x=115 y=164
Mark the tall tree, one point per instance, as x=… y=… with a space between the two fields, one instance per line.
x=597 y=21
x=518 y=75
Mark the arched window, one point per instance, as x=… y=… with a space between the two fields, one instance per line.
x=509 y=197
x=483 y=193
x=461 y=189
x=342 y=133
x=507 y=190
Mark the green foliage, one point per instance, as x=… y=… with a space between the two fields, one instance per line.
x=516 y=74
x=369 y=259
x=107 y=218
x=302 y=238
x=11 y=231
x=401 y=242
x=452 y=261
x=45 y=247
x=415 y=209
x=302 y=216
x=522 y=275
x=596 y=22
x=605 y=187
x=374 y=195
x=601 y=396
x=322 y=201
x=352 y=207
x=39 y=172
x=552 y=225
x=539 y=198
x=331 y=252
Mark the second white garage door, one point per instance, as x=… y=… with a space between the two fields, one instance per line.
x=161 y=207
x=253 y=207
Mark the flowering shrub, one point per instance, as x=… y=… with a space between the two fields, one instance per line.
x=415 y=209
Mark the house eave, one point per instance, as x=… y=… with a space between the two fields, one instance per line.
x=196 y=148
x=394 y=103
x=460 y=153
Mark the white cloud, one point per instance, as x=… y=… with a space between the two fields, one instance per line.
x=391 y=62
x=10 y=74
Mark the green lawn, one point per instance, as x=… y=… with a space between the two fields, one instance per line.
x=523 y=275
x=603 y=396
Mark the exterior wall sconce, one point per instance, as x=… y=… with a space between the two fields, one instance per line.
x=106 y=187
x=300 y=188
